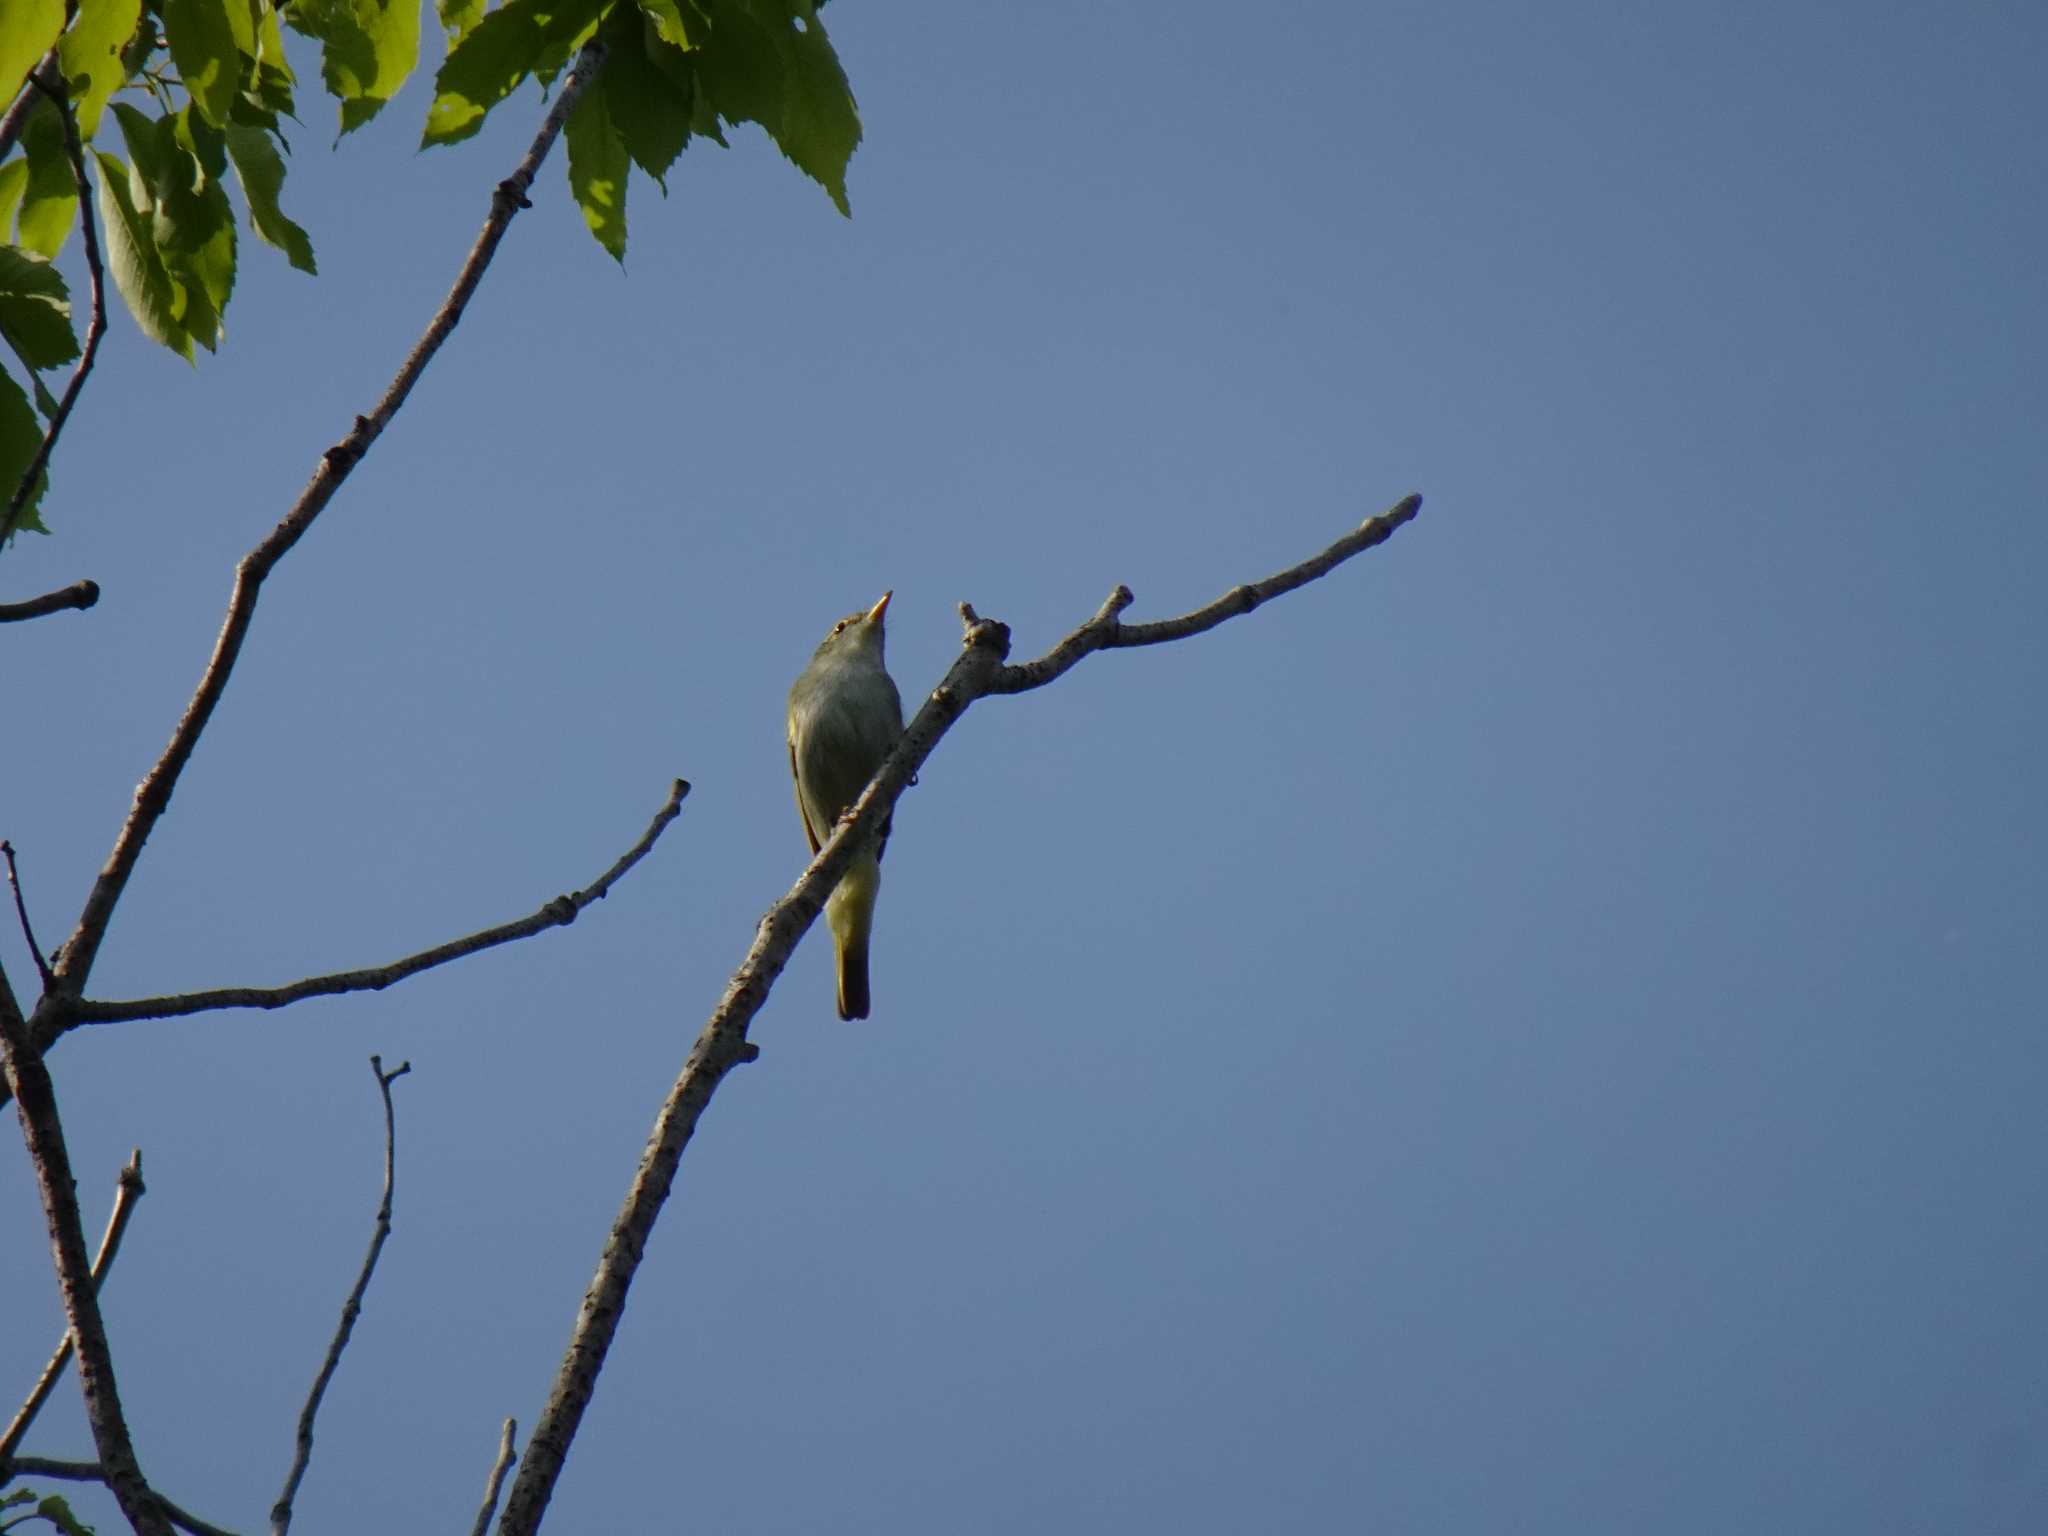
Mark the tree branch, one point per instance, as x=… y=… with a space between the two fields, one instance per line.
x=127 y=1190
x=351 y=1309
x=93 y=1472
x=723 y=1044
x=40 y=79
x=35 y=1104
x=558 y=913
x=497 y=1480
x=95 y=328
x=153 y=796
x=80 y=594
x=28 y=932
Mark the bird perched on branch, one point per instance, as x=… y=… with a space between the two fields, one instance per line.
x=844 y=717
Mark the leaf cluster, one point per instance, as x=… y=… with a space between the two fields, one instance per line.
x=196 y=89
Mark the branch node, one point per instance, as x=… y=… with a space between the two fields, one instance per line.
x=510 y=193
x=748 y=1052
x=563 y=910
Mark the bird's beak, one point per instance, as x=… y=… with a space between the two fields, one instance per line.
x=875 y=613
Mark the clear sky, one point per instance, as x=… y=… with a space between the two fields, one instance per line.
x=1542 y=1031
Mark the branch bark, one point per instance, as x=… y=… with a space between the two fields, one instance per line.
x=979 y=670
x=153 y=796
x=496 y=1480
x=35 y=1103
x=39 y=79
x=558 y=913
x=351 y=1309
x=95 y=328
x=93 y=1472
x=128 y=1189
x=80 y=594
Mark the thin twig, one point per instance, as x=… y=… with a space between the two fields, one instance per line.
x=42 y=1129
x=21 y=911
x=351 y=1309
x=95 y=327
x=80 y=594
x=497 y=1480
x=723 y=1043
x=93 y=1472
x=128 y=1189
x=152 y=797
x=555 y=914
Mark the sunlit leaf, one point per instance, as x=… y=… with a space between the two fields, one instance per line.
x=597 y=169
x=27 y=29
x=509 y=44
x=211 y=40
x=133 y=260
x=260 y=169
x=91 y=57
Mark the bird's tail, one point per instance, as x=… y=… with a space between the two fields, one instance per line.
x=851 y=913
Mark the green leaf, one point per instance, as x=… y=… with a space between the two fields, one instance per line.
x=20 y=436
x=458 y=16
x=678 y=26
x=91 y=56
x=209 y=41
x=49 y=204
x=27 y=29
x=369 y=48
x=650 y=110
x=509 y=44
x=13 y=182
x=597 y=169
x=270 y=94
x=35 y=310
x=260 y=169
x=770 y=62
x=195 y=226
x=58 y=1513
x=133 y=259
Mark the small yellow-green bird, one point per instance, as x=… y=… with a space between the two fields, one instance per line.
x=844 y=717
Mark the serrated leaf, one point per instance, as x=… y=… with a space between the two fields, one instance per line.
x=509 y=44
x=20 y=436
x=27 y=29
x=91 y=57
x=210 y=39
x=368 y=49
x=132 y=258
x=597 y=169
x=650 y=110
x=49 y=203
x=820 y=123
x=260 y=169
x=35 y=310
x=770 y=62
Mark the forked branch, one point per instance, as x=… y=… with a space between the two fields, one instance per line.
x=723 y=1044
x=154 y=795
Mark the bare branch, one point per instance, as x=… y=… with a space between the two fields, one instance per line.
x=80 y=594
x=153 y=796
x=95 y=328
x=497 y=1480
x=35 y=1105
x=127 y=1190
x=1103 y=632
x=351 y=1309
x=21 y=911
x=558 y=913
x=93 y=1472
x=723 y=1043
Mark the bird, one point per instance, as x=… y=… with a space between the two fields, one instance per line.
x=844 y=718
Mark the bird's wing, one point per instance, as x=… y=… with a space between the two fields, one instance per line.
x=802 y=810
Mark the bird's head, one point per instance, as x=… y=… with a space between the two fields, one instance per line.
x=857 y=636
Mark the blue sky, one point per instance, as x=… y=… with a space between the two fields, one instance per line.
x=1540 y=1031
